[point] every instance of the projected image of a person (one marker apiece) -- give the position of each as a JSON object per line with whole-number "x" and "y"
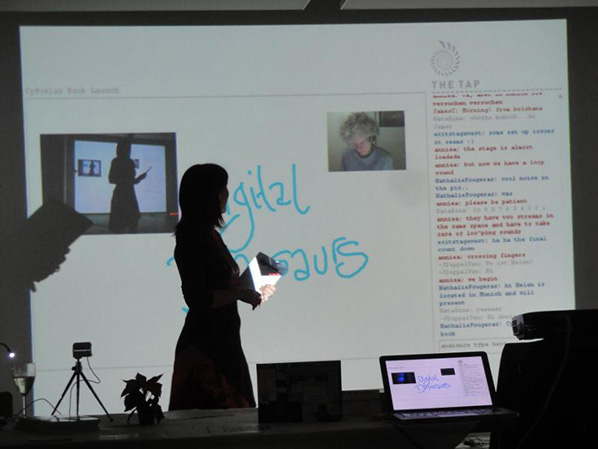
{"x": 210, "y": 369}
{"x": 124, "y": 208}
{"x": 360, "y": 131}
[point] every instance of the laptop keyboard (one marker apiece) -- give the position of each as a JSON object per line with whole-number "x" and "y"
{"x": 432, "y": 414}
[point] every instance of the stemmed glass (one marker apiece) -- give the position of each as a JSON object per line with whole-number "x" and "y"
{"x": 23, "y": 375}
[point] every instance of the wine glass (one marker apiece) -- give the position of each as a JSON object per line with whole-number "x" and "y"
{"x": 23, "y": 375}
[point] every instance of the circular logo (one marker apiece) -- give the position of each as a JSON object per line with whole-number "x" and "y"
{"x": 446, "y": 61}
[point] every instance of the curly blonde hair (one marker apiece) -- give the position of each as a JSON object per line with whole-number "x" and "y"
{"x": 359, "y": 124}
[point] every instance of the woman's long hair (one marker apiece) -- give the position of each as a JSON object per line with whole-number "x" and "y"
{"x": 199, "y": 197}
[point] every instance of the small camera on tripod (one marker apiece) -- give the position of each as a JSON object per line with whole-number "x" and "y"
{"x": 81, "y": 350}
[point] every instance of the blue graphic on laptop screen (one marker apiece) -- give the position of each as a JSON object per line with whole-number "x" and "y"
{"x": 410, "y": 378}
{"x": 403, "y": 378}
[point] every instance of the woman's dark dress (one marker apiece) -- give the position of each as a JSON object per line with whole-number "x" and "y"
{"x": 124, "y": 209}
{"x": 210, "y": 369}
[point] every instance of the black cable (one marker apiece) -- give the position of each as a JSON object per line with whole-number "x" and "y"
{"x": 71, "y": 397}
{"x": 97, "y": 381}
{"x": 31, "y": 403}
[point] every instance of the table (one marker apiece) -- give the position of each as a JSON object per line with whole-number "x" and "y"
{"x": 235, "y": 428}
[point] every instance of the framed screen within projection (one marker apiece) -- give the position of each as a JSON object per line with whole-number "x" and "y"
{"x": 115, "y": 180}
{"x": 452, "y": 215}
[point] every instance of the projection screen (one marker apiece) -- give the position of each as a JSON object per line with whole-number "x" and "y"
{"x": 471, "y": 224}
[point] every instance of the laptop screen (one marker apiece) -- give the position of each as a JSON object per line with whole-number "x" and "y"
{"x": 438, "y": 381}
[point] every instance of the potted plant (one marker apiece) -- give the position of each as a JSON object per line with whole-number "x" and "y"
{"x": 142, "y": 395}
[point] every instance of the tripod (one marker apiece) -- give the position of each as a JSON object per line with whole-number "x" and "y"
{"x": 77, "y": 376}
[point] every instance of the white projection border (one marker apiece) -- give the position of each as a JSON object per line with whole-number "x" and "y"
{"x": 368, "y": 252}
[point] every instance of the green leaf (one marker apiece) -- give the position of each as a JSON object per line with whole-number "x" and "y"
{"x": 131, "y": 402}
{"x": 131, "y": 386}
{"x": 155, "y": 389}
{"x": 141, "y": 379}
{"x": 155, "y": 379}
{"x": 140, "y": 393}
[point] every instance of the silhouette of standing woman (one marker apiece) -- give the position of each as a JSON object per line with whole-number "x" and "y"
{"x": 124, "y": 209}
{"x": 210, "y": 369}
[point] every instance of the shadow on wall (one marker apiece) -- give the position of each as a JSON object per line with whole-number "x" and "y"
{"x": 35, "y": 249}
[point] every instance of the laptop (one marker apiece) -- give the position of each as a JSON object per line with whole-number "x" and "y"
{"x": 299, "y": 391}
{"x": 445, "y": 387}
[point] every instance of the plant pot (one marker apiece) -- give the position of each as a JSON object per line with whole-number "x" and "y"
{"x": 146, "y": 418}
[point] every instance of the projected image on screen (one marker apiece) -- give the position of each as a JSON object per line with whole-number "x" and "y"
{"x": 89, "y": 167}
{"x": 434, "y": 253}
{"x": 366, "y": 141}
{"x": 123, "y": 183}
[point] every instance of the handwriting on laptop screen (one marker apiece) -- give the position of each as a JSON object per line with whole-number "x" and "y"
{"x": 438, "y": 383}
